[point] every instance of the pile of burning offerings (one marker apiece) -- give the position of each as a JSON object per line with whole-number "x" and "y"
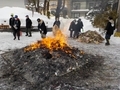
{"x": 90, "y": 37}
{"x": 49, "y": 63}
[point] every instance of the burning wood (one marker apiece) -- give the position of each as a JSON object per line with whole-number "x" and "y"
{"x": 90, "y": 37}
{"x": 56, "y": 30}
{"x": 57, "y": 42}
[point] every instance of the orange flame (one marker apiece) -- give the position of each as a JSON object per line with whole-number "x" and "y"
{"x": 59, "y": 41}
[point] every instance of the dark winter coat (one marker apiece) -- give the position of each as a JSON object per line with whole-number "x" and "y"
{"x": 11, "y": 21}
{"x": 80, "y": 23}
{"x": 17, "y": 24}
{"x": 28, "y": 23}
{"x": 57, "y": 23}
{"x": 77, "y": 27}
{"x": 72, "y": 26}
{"x": 110, "y": 27}
{"x": 41, "y": 25}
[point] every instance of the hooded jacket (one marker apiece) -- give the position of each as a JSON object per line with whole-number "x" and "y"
{"x": 41, "y": 25}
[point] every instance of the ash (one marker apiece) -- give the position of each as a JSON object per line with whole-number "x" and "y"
{"x": 42, "y": 69}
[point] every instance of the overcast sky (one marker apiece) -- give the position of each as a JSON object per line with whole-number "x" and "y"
{"x": 12, "y": 3}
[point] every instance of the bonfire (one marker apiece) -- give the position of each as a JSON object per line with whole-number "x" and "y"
{"x": 49, "y": 63}
{"x": 58, "y": 42}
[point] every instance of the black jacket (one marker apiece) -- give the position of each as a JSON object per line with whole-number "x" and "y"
{"x": 72, "y": 26}
{"x": 11, "y": 21}
{"x": 110, "y": 27}
{"x": 17, "y": 24}
{"x": 80, "y": 23}
{"x": 41, "y": 25}
{"x": 28, "y": 23}
{"x": 57, "y": 23}
{"x": 77, "y": 27}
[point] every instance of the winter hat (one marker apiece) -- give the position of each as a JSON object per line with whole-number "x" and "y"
{"x": 38, "y": 19}
{"x": 16, "y": 16}
{"x": 110, "y": 18}
{"x": 26, "y": 16}
{"x": 79, "y": 18}
{"x": 11, "y": 14}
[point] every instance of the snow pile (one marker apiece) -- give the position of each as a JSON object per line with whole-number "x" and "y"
{"x": 22, "y": 12}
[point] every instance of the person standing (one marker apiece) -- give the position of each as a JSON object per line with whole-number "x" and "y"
{"x": 110, "y": 27}
{"x": 80, "y": 23}
{"x": 28, "y": 26}
{"x": 71, "y": 28}
{"x": 17, "y": 24}
{"x": 77, "y": 28}
{"x": 11, "y": 22}
{"x": 42, "y": 28}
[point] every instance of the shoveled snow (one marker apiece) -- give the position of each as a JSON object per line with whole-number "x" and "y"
{"x": 5, "y": 13}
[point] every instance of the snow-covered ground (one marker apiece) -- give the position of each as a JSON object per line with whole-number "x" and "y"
{"x": 111, "y": 53}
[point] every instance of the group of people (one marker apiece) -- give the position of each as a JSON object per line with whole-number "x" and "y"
{"x": 15, "y": 24}
{"x": 75, "y": 27}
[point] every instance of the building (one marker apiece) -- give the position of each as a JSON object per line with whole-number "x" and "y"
{"x": 12, "y": 3}
{"x": 75, "y": 8}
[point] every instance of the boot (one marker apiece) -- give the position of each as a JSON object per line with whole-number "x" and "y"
{"x": 26, "y": 34}
{"x": 30, "y": 36}
{"x": 14, "y": 38}
{"x": 18, "y": 38}
{"x": 107, "y": 42}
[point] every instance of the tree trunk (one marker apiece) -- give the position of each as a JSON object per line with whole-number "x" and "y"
{"x": 48, "y": 12}
{"x": 59, "y": 8}
{"x": 44, "y": 8}
{"x": 118, "y": 26}
{"x": 57, "y": 15}
{"x": 38, "y": 5}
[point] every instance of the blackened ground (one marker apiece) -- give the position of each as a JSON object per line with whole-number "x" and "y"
{"x": 42, "y": 69}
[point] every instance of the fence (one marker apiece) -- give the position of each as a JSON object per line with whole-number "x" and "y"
{"x": 4, "y": 26}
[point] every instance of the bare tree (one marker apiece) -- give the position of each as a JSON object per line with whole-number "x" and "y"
{"x": 37, "y": 6}
{"x": 60, "y": 7}
{"x": 44, "y": 8}
{"x": 48, "y": 12}
{"x": 35, "y": 3}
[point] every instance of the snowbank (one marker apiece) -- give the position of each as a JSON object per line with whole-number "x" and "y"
{"x": 22, "y": 12}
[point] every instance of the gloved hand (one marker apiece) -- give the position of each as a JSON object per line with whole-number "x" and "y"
{"x": 15, "y": 27}
{"x": 41, "y": 31}
{"x": 82, "y": 30}
{"x": 71, "y": 29}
